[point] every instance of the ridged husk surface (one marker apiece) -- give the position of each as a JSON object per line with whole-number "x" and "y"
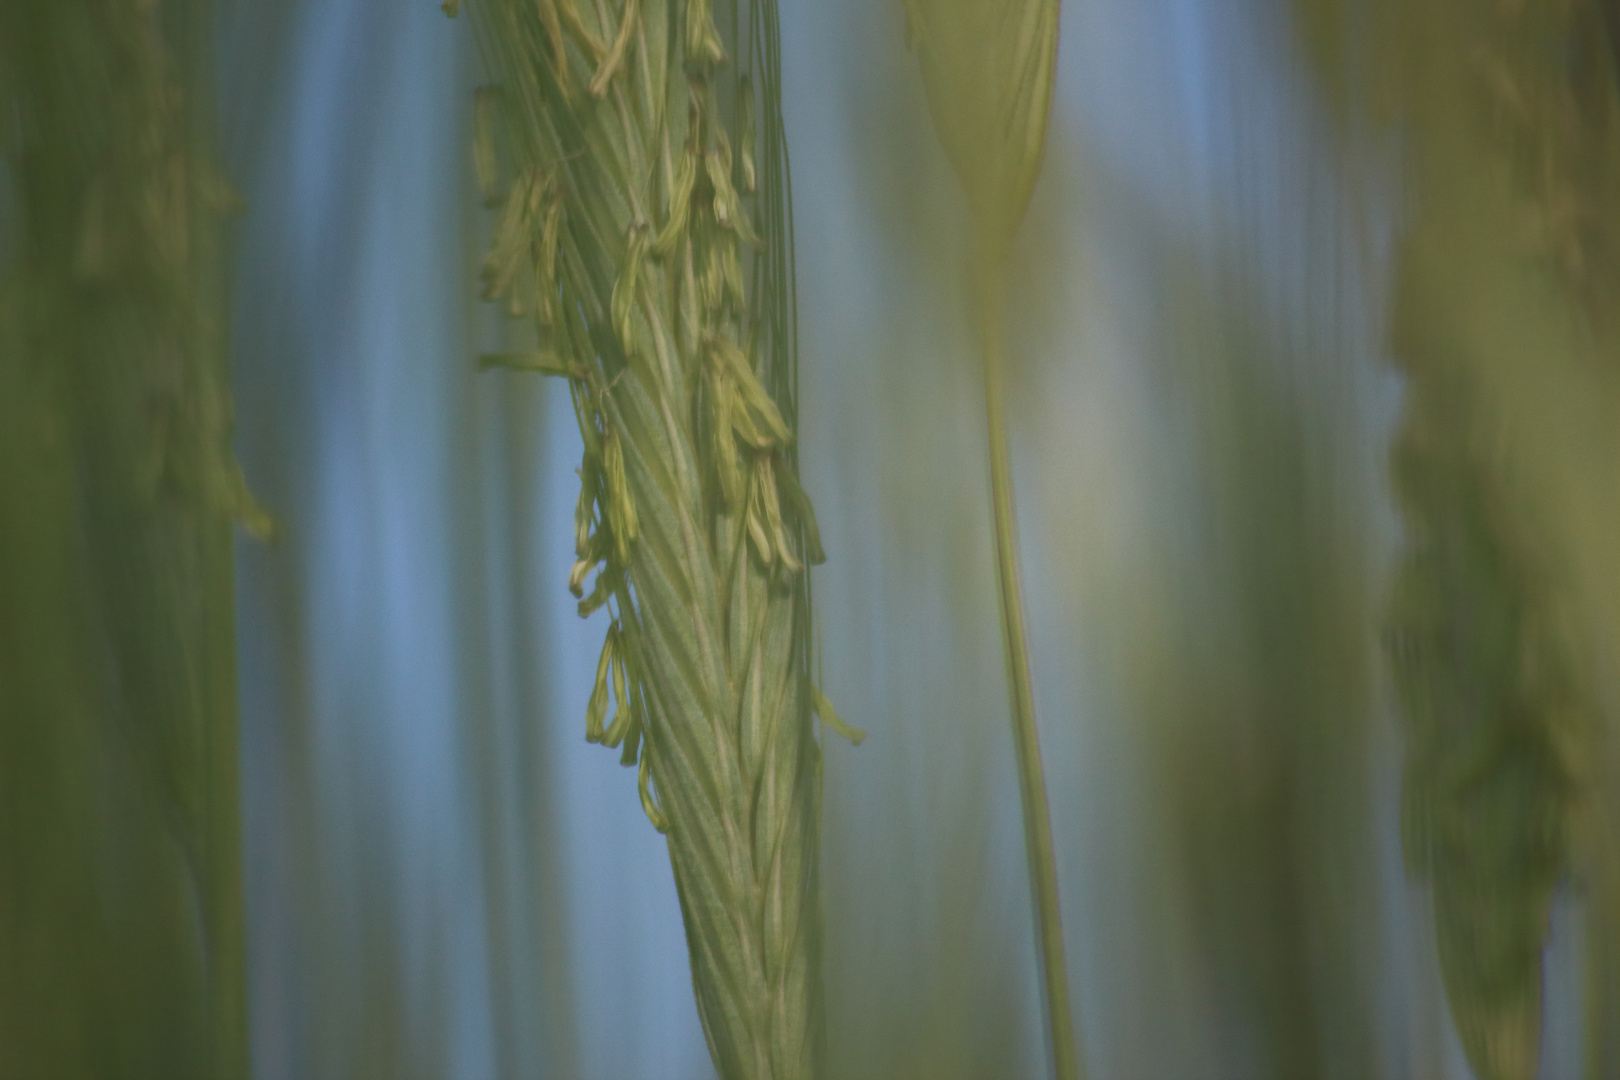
{"x": 633, "y": 152}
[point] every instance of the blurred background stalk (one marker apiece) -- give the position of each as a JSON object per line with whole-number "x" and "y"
{"x": 121, "y": 906}
{"x": 1503, "y": 624}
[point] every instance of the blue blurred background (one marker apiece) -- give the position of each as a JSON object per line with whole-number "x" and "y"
{"x": 445, "y": 880}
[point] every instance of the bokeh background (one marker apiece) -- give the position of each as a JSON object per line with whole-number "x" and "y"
{"x": 443, "y": 880}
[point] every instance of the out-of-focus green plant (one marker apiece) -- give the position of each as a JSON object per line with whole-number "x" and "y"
{"x": 988, "y": 67}
{"x": 644, "y": 226}
{"x": 121, "y": 933}
{"x": 1505, "y": 323}
{"x": 1495, "y": 720}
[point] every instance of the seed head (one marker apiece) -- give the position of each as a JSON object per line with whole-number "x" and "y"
{"x": 988, "y": 67}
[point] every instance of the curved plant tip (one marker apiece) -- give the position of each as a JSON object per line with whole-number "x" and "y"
{"x": 988, "y": 67}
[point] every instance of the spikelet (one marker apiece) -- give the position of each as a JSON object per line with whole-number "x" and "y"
{"x": 661, "y": 296}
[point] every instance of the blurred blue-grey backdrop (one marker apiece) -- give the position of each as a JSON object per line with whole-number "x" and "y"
{"x": 446, "y": 881}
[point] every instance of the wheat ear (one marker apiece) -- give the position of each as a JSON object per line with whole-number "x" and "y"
{"x": 645, "y": 229}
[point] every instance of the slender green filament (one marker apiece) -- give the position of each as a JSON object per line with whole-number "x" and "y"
{"x": 1031, "y": 777}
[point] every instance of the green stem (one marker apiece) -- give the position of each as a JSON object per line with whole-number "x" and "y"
{"x": 1031, "y": 776}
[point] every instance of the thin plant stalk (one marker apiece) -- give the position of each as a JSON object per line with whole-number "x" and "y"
{"x": 988, "y": 68}
{"x": 1037, "y": 815}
